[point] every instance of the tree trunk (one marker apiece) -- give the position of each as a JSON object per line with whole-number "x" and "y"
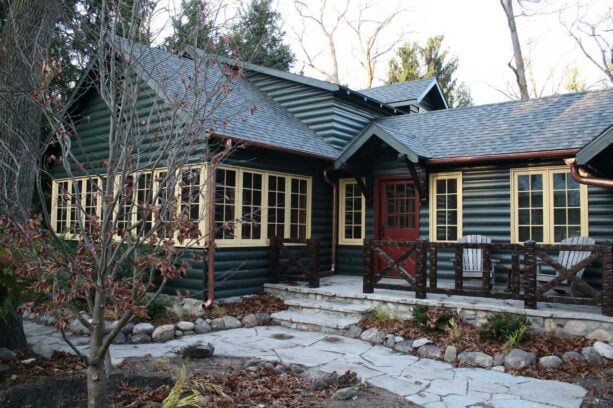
{"x": 11, "y": 326}
{"x": 24, "y": 42}
{"x": 97, "y": 373}
{"x": 519, "y": 69}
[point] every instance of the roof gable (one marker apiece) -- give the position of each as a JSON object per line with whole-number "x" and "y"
{"x": 410, "y": 92}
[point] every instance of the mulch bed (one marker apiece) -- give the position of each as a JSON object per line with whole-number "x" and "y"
{"x": 539, "y": 344}
{"x": 60, "y": 365}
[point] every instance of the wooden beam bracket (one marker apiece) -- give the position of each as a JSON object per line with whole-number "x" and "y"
{"x": 419, "y": 178}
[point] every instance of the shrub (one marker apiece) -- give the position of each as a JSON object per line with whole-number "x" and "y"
{"x": 157, "y": 309}
{"x": 431, "y": 319}
{"x": 381, "y": 315}
{"x": 506, "y": 327}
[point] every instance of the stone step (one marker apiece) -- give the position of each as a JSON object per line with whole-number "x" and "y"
{"x": 320, "y": 322}
{"x": 312, "y": 306}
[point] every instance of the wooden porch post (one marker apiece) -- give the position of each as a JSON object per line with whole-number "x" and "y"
{"x": 420, "y": 269}
{"x": 607, "y": 279}
{"x": 313, "y": 244}
{"x": 369, "y": 267}
{"x": 530, "y": 295}
{"x": 274, "y": 259}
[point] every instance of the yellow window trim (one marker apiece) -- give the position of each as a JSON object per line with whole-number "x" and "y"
{"x": 80, "y": 191}
{"x": 237, "y": 241}
{"x": 460, "y": 192}
{"x": 548, "y": 208}
{"x": 342, "y": 239}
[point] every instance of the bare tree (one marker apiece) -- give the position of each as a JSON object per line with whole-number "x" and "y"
{"x": 134, "y": 210}
{"x": 518, "y": 69}
{"x": 328, "y": 23}
{"x": 368, "y": 32}
{"x": 593, "y": 35}
{"x": 24, "y": 74}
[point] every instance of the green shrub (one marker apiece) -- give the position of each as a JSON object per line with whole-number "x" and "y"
{"x": 157, "y": 309}
{"x": 381, "y": 315}
{"x": 506, "y": 327}
{"x": 431, "y": 319}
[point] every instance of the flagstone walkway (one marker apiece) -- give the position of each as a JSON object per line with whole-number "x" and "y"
{"x": 426, "y": 382}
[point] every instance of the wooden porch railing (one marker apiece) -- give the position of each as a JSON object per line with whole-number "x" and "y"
{"x": 522, "y": 283}
{"x": 294, "y": 262}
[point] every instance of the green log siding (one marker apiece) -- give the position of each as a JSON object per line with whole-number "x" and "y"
{"x": 335, "y": 120}
{"x": 487, "y": 211}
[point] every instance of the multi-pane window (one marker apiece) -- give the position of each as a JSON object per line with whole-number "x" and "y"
{"x": 352, "y": 213}
{"x": 298, "y": 221}
{"x": 251, "y": 205}
{"x": 446, "y": 206}
{"x": 548, "y": 205}
{"x": 225, "y": 202}
{"x": 276, "y": 205}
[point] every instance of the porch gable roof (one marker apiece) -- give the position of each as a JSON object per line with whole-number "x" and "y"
{"x": 598, "y": 153}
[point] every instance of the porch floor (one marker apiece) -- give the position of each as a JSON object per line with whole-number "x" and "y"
{"x": 350, "y": 287}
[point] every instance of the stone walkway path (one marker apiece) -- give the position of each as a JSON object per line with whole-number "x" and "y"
{"x": 423, "y": 381}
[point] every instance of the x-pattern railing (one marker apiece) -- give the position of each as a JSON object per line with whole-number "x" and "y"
{"x": 301, "y": 255}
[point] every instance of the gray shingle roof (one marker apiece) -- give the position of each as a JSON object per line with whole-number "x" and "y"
{"x": 242, "y": 112}
{"x": 403, "y": 91}
{"x": 551, "y": 123}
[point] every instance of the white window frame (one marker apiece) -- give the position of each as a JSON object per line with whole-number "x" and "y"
{"x": 548, "y": 208}
{"x": 80, "y": 190}
{"x": 460, "y": 203}
{"x": 342, "y": 238}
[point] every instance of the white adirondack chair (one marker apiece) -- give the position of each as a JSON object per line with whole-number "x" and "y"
{"x": 472, "y": 259}
{"x": 567, "y": 259}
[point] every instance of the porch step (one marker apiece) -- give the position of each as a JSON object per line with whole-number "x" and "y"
{"x": 320, "y": 322}
{"x": 312, "y": 306}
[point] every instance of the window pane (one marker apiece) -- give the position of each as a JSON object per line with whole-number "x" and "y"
{"x": 536, "y": 199}
{"x": 524, "y": 217}
{"x": 524, "y": 200}
{"x": 452, "y": 217}
{"x": 441, "y": 233}
{"x": 452, "y": 202}
{"x": 559, "y": 181}
{"x": 441, "y": 186}
{"x": 574, "y": 199}
{"x": 523, "y": 183}
{"x": 452, "y": 186}
{"x": 559, "y": 217}
{"x": 524, "y": 234}
{"x": 536, "y": 182}
{"x": 452, "y": 233}
{"x": 574, "y": 216}
{"x": 559, "y": 234}
{"x": 559, "y": 199}
{"x": 537, "y": 234}
{"x": 537, "y": 217}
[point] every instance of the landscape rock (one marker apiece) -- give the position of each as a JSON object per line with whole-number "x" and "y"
{"x": 476, "y": 359}
{"x": 346, "y": 393}
{"x": 405, "y": 346}
{"x": 591, "y": 356}
{"x": 398, "y": 339}
{"x": 498, "y": 359}
{"x": 430, "y": 351}
{"x": 43, "y": 350}
{"x": 78, "y": 328}
{"x": 48, "y": 320}
{"x": 198, "y": 350}
{"x": 263, "y": 318}
{"x": 120, "y": 338}
{"x": 354, "y": 331}
{"x": 231, "y": 322}
{"x": 451, "y": 354}
{"x": 317, "y": 384}
{"x": 250, "y": 320}
{"x": 185, "y": 326}
{"x": 4, "y": 368}
{"x": 178, "y": 333}
{"x": 202, "y": 327}
{"x": 7, "y": 355}
{"x": 218, "y": 324}
{"x": 518, "y": 359}
{"x": 604, "y": 349}
{"x": 500, "y": 369}
{"x": 163, "y": 333}
{"x": 373, "y": 335}
{"x": 127, "y": 329}
{"x": 189, "y": 333}
{"x": 146, "y": 328}
{"x": 250, "y": 363}
{"x": 572, "y": 356}
{"x": 279, "y": 369}
{"x": 140, "y": 338}
{"x": 389, "y": 341}
{"x": 550, "y": 362}
{"x": 421, "y": 342}
{"x": 599, "y": 335}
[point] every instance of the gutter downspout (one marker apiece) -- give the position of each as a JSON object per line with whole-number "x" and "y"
{"x": 588, "y": 180}
{"x": 211, "y": 220}
{"x": 334, "y": 218}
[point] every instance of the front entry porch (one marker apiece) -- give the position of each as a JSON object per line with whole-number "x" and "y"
{"x": 569, "y": 319}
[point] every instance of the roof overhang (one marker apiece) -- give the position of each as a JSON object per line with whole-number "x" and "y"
{"x": 373, "y": 130}
{"x": 598, "y": 154}
{"x": 435, "y": 88}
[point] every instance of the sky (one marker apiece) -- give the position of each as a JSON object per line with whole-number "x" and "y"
{"x": 475, "y": 31}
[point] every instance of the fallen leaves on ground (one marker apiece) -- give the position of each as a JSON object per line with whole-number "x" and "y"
{"x": 60, "y": 365}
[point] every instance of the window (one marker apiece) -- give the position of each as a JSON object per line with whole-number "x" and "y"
{"x": 547, "y": 205}
{"x": 445, "y": 206}
{"x": 352, "y": 217}
{"x": 268, "y": 204}
{"x": 68, "y": 197}
{"x": 192, "y": 204}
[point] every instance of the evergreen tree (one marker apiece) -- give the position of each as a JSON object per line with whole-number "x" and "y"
{"x": 429, "y": 61}
{"x": 196, "y": 26}
{"x": 257, "y": 37}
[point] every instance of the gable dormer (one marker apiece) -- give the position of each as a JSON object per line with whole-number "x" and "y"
{"x": 421, "y": 95}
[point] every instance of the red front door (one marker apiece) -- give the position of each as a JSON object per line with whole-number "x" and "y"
{"x": 397, "y": 217}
